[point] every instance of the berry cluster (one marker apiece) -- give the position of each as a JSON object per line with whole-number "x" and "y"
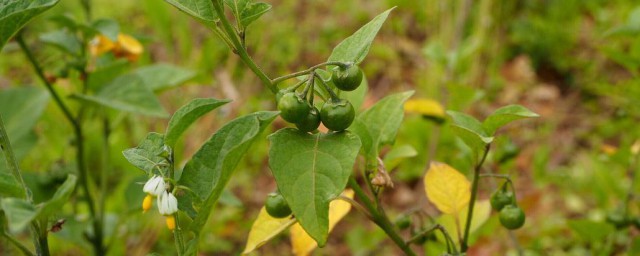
{"x": 336, "y": 114}
{"x": 504, "y": 201}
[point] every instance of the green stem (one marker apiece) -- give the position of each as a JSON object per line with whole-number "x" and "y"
{"x": 224, "y": 38}
{"x": 381, "y": 220}
{"x": 431, "y": 229}
{"x": 177, "y": 236}
{"x": 79, "y": 140}
{"x": 277, "y": 80}
{"x": 334, "y": 96}
{"x": 240, "y": 50}
{"x": 472, "y": 200}
{"x": 356, "y": 205}
{"x": 634, "y": 179}
{"x": 17, "y": 243}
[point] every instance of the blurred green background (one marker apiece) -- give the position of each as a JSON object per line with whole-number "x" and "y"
{"x": 575, "y": 62}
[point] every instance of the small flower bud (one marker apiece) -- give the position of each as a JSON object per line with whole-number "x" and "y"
{"x": 147, "y": 203}
{"x": 171, "y": 222}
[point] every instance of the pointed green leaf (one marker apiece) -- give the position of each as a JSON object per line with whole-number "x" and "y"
{"x": 471, "y": 131}
{"x": 59, "y": 198}
{"x": 19, "y": 213}
{"x": 505, "y": 115}
{"x": 14, "y": 14}
{"x": 188, "y": 114}
{"x": 159, "y": 77}
{"x": 63, "y": 40}
{"x": 208, "y": 172}
{"x": 237, "y": 6}
{"x": 311, "y": 170}
{"x": 355, "y": 48}
{"x": 148, "y": 155}
{"x": 128, "y": 93}
{"x": 201, "y": 10}
{"x": 380, "y": 123}
{"x": 252, "y": 12}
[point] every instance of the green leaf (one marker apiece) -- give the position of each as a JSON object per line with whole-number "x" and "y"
{"x": 9, "y": 186}
{"x": 201, "y": 10}
{"x": 20, "y": 109}
{"x": 471, "y": 131}
{"x": 186, "y": 115}
{"x": 591, "y": 231}
{"x": 147, "y": 156}
{"x": 14, "y": 14}
{"x": 237, "y": 6}
{"x": 162, "y": 76}
{"x": 64, "y": 40}
{"x": 105, "y": 74}
{"x": 252, "y": 12}
{"x": 208, "y": 172}
{"x": 312, "y": 170}
{"x": 380, "y": 123}
{"x": 505, "y": 115}
{"x": 59, "y": 198}
{"x": 398, "y": 154}
{"x": 19, "y": 213}
{"x": 108, "y": 28}
{"x": 355, "y": 48}
{"x": 128, "y": 93}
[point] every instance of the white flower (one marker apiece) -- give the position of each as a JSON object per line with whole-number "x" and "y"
{"x": 155, "y": 186}
{"x": 167, "y": 203}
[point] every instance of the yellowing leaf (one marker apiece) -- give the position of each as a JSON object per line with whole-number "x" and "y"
{"x": 425, "y": 107}
{"x": 264, "y": 228}
{"x": 447, "y": 188}
{"x": 481, "y": 213}
{"x": 302, "y": 243}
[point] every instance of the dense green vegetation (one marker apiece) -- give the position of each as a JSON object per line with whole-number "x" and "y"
{"x": 574, "y": 169}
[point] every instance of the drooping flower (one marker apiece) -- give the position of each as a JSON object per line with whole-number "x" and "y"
{"x": 155, "y": 186}
{"x": 167, "y": 203}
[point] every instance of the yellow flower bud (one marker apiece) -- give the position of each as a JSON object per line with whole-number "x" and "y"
{"x": 171, "y": 222}
{"x": 147, "y": 203}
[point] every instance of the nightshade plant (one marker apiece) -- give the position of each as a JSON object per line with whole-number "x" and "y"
{"x": 313, "y": 167}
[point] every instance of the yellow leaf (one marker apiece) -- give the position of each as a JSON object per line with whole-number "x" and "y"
{"x": 447, "y": 188}
{"x": 481, "y": 213}
{"x": 264, "y": 228}
{"x": 302, "y": 243}
{"x": 425, "y": 107}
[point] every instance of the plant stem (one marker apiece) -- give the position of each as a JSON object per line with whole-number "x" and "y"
{"x": 177, "y": 236}
{"x": 17, "y": 243}
{"x": 472, "y": 200}
{"x": 96, "y": 240}
{"x": 355, "y": 204}
{"x": 381, "y": 220}
{"x": 277, "y": 80}
{"x": 240, "y": 50}
{"x": 431, "y": 229}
